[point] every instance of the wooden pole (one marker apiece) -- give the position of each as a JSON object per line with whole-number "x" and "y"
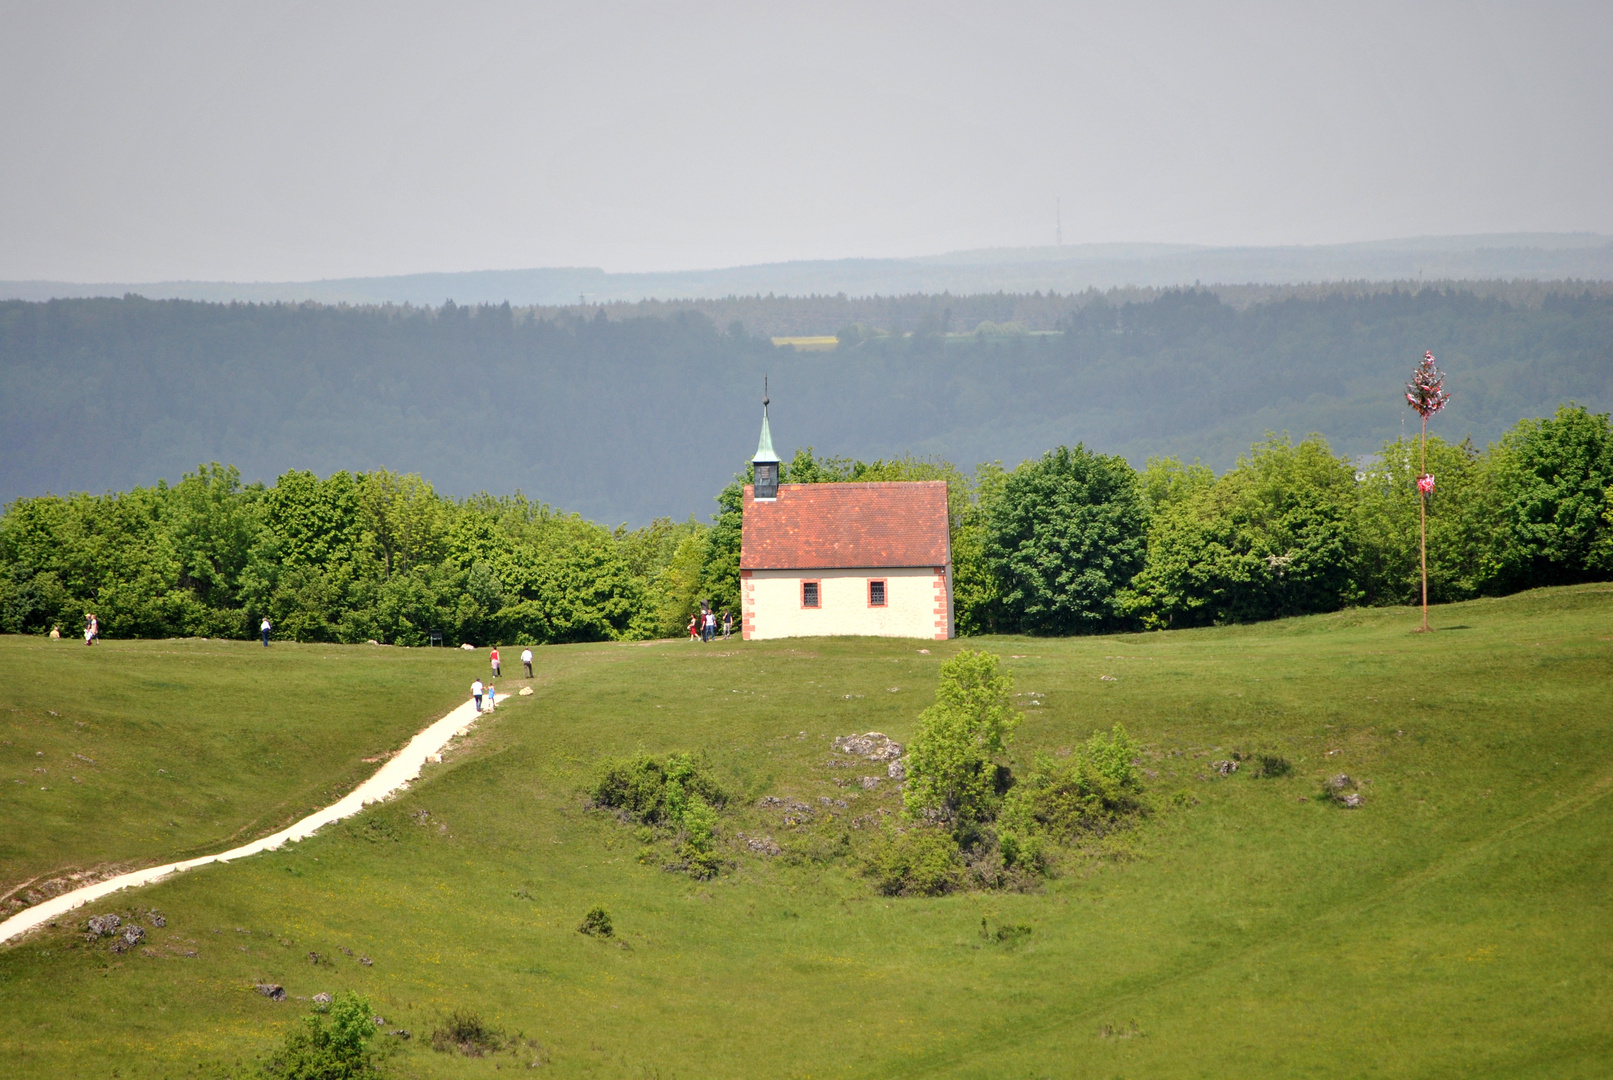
{"x": 1422, "y": 511}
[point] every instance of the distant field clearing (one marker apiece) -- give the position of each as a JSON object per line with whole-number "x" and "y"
{"x": 809, "y": 344}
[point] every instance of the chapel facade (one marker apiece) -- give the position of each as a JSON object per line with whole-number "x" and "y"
{"x": 852, "y": 558}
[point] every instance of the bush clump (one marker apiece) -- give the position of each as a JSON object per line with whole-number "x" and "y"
{"x": 656, "y": 791}
{"x": 467, "y": 1033}
{"x": 332, "y": 1044}
{"x": 1270, "y": 766}
{"x": 918, "y": 861}
{"x": 676, "y": 793}
{"x": 596, "y": 923}
{"x": 1090, "y": 791}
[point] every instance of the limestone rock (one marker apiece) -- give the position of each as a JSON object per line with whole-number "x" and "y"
{"x": 272, "y": 991}
{"x": 321, "y": 999}
{"x": 526, "y": 691}
{"x": 104, "y": 925}
{"x": 133, "y": 935}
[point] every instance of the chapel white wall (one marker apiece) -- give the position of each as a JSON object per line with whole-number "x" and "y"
{"x": 772, "y": 603}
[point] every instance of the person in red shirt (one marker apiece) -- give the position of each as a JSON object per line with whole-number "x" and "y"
{"x": 494, "y": 658}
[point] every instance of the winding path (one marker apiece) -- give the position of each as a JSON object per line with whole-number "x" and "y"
{"x": 393, "y": 776}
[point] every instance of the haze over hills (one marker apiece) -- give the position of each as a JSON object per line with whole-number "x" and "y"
{"x": 1067, "y": 269}
{"x": 630, "y": 418}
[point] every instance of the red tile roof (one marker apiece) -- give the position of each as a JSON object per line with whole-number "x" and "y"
{"x": 842, "y": 526}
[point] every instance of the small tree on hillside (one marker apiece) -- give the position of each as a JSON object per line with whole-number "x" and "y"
{"x": 952, "y": 773}
{"x": 1426, "y": 393}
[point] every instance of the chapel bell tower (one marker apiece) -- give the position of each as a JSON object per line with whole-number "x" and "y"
{"x": 765, "y": 462}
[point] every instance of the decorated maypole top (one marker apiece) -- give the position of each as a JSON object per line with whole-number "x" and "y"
{"x": 1426, "y": 392}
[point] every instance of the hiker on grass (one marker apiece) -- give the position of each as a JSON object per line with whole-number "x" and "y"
{"x": 92, "y": 628}
{"x": 265, "y": 628}
{"x": 711, "y": 624}
{"x": 727, "y": 624}
{"x": 492, "y": 696}
{"x": 494, "y": 658}
{"x": 476, "y": 692}
{"x": 526, "y": 659}
{"x": 694, "y": 621}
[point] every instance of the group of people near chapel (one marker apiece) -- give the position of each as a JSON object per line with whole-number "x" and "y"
{"x": 703, "y": 623}
{"x": 478, "y": 690}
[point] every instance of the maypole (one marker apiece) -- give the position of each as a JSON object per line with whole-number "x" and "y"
{"x": 1425, "y": 393}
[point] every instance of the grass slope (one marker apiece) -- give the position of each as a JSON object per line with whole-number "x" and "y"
{"x": 1456, "y": 925}
{"x": 133, "y": 753}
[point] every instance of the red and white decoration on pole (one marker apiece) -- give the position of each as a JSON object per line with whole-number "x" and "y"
{"x": 1427, "y": 394}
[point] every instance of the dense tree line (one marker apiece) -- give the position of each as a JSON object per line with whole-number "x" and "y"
{"x": 627, "y": 419}
{"x": 1070, "y": 542}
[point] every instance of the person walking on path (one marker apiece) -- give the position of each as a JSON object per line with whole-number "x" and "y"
{"x": 494, "y": 658}
{"x": 711, "y": 624}
{"x": 727, "y": 624}
{"x": 476, "y": 692}
{"x": 694, "y": 621}
{"x": 492, "y": 696}
{"x": 526, "y": 660}
{"x": 265, "y": 628}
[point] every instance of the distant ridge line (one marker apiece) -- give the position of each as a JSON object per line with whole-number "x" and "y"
{"x": 1586, "y": 257}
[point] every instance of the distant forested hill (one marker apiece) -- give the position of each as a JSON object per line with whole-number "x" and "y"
{"x": 626, "y": 419}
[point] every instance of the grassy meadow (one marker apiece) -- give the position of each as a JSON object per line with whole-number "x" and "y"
{"x": 134, "y": 753}
{"x": 1458, "y": 924}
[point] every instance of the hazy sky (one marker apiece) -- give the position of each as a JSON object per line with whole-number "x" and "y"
{"x": 270, "y": 141}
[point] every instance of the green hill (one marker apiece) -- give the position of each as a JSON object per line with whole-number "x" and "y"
{"x": 1455, "y": 924}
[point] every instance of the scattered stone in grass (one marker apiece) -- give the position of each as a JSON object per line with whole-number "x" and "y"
{"x": 1107, "y": 678}
{"x": 870, "y": 783}
{"x": 133, "y": 935}
{"x": 321, "y": 998}
{"x": 596, "y": 923}
{"x": 346, "y": 950}
{"x": 1225, "y": 768}
{"x": 764, "y": 844}
{"x": 366, "y": 961}
{"x": 1341, "y": 782}
{"x": 318, "y": 959}
{"x": 873, "y": 745}
{"x": 896, "y": 771}
{"x": 403, "y": 1033}
{"x": 380, "y": 1021}
{"x": 1112, "y": 1031}
{"x": 272, "y": 991}
{"x": 526, "y": 691}
{"x": 769, "y": 800}
{"x": 1351, "y": 800}
{"x": 104, "y": 925}
{"x": 924, "y": 652}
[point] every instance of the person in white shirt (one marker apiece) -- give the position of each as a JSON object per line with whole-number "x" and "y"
{"x": 476, "y": 692}
{"x": 265, "y": 628}
{"x": 526, "y": 658}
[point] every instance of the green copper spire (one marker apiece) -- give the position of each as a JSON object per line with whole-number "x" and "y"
{"x": 764, "y": 449}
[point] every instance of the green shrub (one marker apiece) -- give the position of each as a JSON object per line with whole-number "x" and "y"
{"x": 952, "y": 774}
{"x": 1271, "y": 765}
{"x": 1093, "y": 788}
{"x": 332, "y": 1044}
{"x": 467, "y": 1033}
{"x": 596, "y": 923}
{"x": 655, "y": 791}
{"x": 919, "y": 861}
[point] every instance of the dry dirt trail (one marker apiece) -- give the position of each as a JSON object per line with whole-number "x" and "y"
{"x": 393, "y": 776}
